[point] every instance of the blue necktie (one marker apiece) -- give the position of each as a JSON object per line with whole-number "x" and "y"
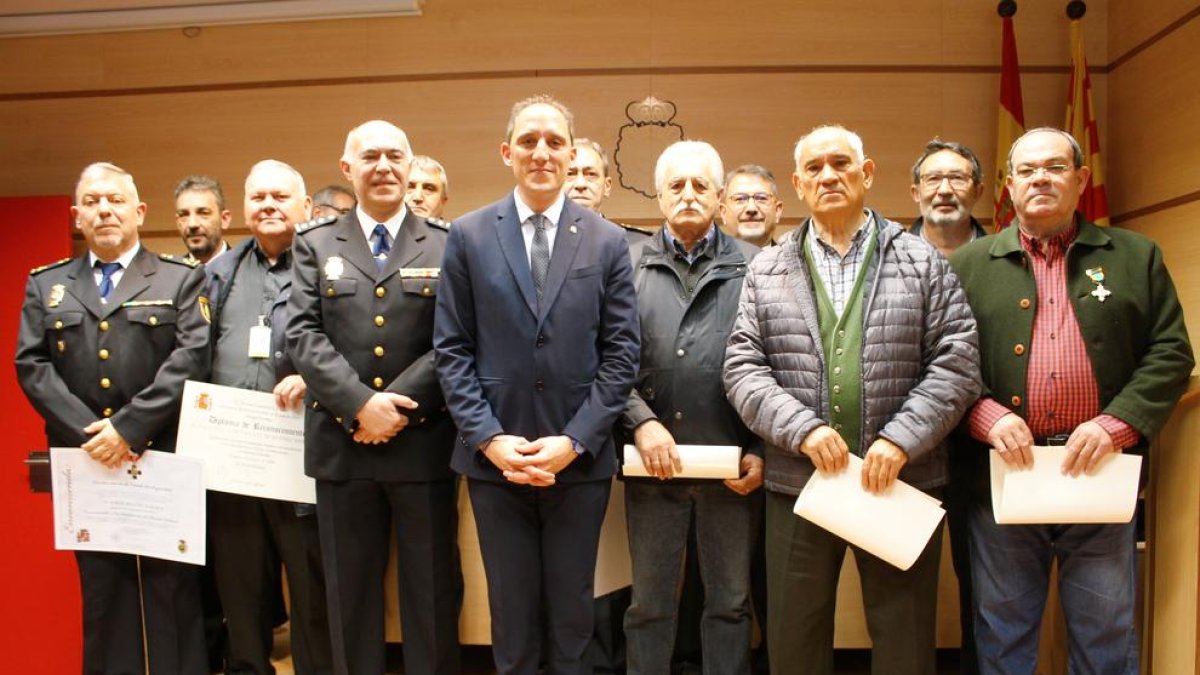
{"x": 382, "y": 247}
{"x": 539, "y": 254}
{"x": 107, "y": 270}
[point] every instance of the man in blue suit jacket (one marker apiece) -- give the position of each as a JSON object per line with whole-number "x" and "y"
{"x": 536, "y": 346}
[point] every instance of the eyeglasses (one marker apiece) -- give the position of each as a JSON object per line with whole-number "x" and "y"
{"x": 760, "y": 198}
{"x": 932, "y": 181}
{"x": 331, "y": 207}
{"x": 1026, "y": 172}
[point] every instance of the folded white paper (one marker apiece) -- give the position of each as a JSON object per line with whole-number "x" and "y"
{"x": 248, "y": 445}
{"x": 1042, "y": 494}
{"x": 894, "y": 525}
{"x": 154, "y": 507}
{"x": 699, "y": 461}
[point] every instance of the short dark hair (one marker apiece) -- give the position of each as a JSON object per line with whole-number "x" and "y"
{"x": 539, "y": 99}
{"x": 202, "y": 184}
{"x": 757, "y": 170}
{"x": 937, "y": 145}
{"x": 324, "y": 196}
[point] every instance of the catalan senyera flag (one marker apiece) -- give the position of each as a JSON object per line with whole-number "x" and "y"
{"x": 1011, "y": 122}
{"x": 1081, "y": 123}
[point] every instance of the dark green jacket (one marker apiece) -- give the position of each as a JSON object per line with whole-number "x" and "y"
{"x": 1136, "y": 338}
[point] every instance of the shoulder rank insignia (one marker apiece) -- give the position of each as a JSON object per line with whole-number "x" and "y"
{"x": 178, "y": 260}
{"x": 315, "y": 223}
{"x": 438, "y": 223}
{"x": 50, "y": 266}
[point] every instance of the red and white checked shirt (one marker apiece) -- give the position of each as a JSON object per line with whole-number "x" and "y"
{"x": 1061, "y": 390}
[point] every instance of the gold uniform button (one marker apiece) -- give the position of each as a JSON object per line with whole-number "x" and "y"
{"x": 378, "y": 350}
{"x": 1019, "y": 349}
{"x": 108, "y": 412}
{"x": 330, "y": 292}
{"x": 103, "y": 325}
{"x": 425, "y": 290}
{"x": 58, "y": 325}
{"x": 380, "y": 291}
{"x": 153, "y": 321}
{"x": 1016, "y": 401}
{"x": 1025, "y": 303}
{"x": 378, "y": 382}
{"x": 379, "y": 321}
{"x": 338, "y": 420}
{"x": 105, "y": 383}
{"x": 103, "y": 355}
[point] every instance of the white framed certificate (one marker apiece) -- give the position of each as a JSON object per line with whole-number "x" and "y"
{"x": 248, "y": 445}
{"x": 153, "y": 507}
{"x": 894, "y": 525}
{"x": 699, "y": 461}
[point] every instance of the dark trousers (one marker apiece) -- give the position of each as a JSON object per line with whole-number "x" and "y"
{"x": 112, "y": 616}
{"x": 803, "y": 565}
{"x": 958, "y": 508}
{"x": 251, "y": 537}
{"x": 539, "y": 553}
{"x": 357, "y": 521}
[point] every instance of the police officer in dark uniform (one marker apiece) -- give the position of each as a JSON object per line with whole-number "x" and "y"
{"x": 105, "y": 344}
{"x": 377, "y": 437}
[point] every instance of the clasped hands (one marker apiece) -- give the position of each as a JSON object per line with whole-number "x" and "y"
{"x": 380, "y": 419}
{"x": 527, "y": 462}
{"x": 106, "y": 446}
{"x": 830, "y": 454}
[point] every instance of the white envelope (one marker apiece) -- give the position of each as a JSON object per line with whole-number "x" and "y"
{"x": 894, "y": 525}
{"x": 1043, "y": 495}
{"x": 699, "y": 461}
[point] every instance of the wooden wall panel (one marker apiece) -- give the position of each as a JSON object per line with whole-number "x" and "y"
{"x": 162, "y": 137}
{"x": 1133, "y": 22}
{"x": 1155, "y": 107}
{"x": 1175, "y": 231}
{"x": 465, "y": 35}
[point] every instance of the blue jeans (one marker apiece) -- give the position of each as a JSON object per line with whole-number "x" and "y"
{"x": 1010, "y": 568}
{"x": 658, "y": 515}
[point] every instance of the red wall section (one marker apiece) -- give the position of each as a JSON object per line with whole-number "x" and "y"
{"x": 39, "y": 596}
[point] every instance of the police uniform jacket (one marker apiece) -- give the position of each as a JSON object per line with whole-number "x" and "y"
{"x": 79, "y": 360}
{"x": 354, "y": 331}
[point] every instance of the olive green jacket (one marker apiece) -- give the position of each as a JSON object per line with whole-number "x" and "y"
{"x": 1136, "y": 338}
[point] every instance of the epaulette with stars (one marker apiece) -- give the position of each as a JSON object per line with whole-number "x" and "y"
{"x": 438, "y": 223}
{"x": 313, "y": 224}
{"x": 179, "y": 260}
{"x": 43, "y": 268}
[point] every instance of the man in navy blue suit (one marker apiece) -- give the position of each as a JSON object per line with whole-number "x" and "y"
{"x": 536, "y": 346}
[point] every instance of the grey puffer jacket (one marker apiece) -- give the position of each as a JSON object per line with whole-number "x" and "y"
{"x": 920, "y": 363}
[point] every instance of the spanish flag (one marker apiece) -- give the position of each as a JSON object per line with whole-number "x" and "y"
{"x": 1081, "y": 123}
{"x": 1011, "y": 122}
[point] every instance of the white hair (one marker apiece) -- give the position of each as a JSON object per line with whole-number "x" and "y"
{"x": 852, "y": 138}
{"x": 700, "y": 150}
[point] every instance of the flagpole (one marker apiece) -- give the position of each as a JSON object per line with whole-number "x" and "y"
{"x": 1011, "y": 114}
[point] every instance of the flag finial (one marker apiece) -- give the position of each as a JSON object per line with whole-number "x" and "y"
{"x": 1076, "y": 9}
{"x": 1006, "y": 8}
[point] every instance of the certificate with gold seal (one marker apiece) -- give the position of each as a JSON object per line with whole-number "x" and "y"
{"x": 248, "y": 445}
{"x": 152, "y": 507}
